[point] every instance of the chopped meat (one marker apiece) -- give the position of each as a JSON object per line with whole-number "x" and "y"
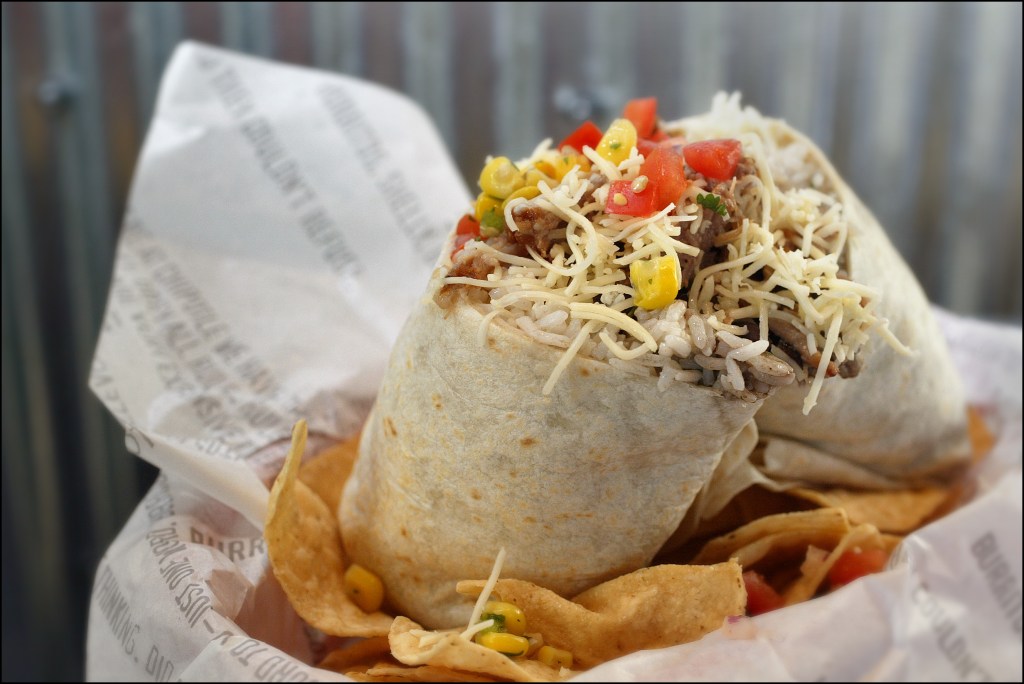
{"x": 505, "y": 243}
{"x": 712, "y": 225}
{"x": 794, "y": 343}
{"x": 849, "y": 369}
{"x": 534, "y": 226}
{"x": 595, "y": 181}
{"x": 751, "y": 329}
{"x": 831, "y": 370}
{"x": 790, "y": 340}
{"x": 746, "y": 167}
{"x": 467, "y": 265}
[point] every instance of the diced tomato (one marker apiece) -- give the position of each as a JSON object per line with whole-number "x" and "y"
{"x": 588, "y": 134}
{"x": 855, "y": 564}
{"x": 666, "y": 178}
{"x": 468, "y": 225}
{"x": 716, "y": 159}
{"x": 761, "y": 597}
{"x": 644, "y": 146}
{"x": 629, "y": 203}
{"x": 658, "y": 135}
{"x": 643, "y": 114}
{"x": 467, "y": 229}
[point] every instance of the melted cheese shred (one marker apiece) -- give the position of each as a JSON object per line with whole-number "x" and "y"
{"x": 782, "y": 261}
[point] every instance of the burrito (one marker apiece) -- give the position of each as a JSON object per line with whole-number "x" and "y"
{"x": 600, "y": 331}
{"x": 900, "y": 417}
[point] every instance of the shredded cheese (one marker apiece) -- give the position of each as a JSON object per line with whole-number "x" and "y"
{"x": 478, "y": 608}
{"x": 475, "y": 629}
{"x": 563, "y": 362}
{"x": 599, "y": 312}
{"x": 830, "y": 343}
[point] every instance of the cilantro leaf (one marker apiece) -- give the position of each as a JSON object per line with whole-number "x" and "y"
{"x": 714, "y": 203}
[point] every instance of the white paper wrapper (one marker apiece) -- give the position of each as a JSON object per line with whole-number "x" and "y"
{"x": 281, "y": 223}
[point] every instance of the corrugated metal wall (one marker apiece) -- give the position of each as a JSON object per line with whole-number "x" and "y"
{"x": 918, "y": 104}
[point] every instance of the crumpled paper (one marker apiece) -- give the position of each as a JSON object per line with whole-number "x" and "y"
{"x": 280, "y": 225}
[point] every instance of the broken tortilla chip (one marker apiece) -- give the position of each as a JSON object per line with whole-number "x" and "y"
{"x": 654, "y": 607}
{"x": 423, "y": 673}
{"x": 362, "y": 652}
{"x": 982, "y": 439}
{"x": 304, "y": 546}
{"x": 360, "y": 675}
{"x": 777, "y": 538}
{"x": 899, "y": 511}
{"x": 413, "y": 645}
{"x": 327, "y": 472}
{"x": 753, "y": 503}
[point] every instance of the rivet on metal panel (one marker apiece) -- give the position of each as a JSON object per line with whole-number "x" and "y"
{"x": 57, "y": 91}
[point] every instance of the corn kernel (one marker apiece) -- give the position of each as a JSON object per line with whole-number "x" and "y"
{"x": 554, "y": 657}
{"x": 500, "y": 178}
{"x": 485, "y": 203}
{"x": 618, "y": 141}
{"x": 529, "y": 192}
{"x": 508, "y": 644}
{"x": 535, "y": 176}
{"x": 488, "y": 212}
{"x": 560, "y": 165}
{"x": 364, "y": 588}
{"x": 547, "y": 168}
{"x": 509, "y": 615}
{"x": 655, "y": 281}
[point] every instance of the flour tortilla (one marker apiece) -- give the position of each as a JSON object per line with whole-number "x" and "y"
{"x": 901, "y": 421}
{"x": 902, "y": 418}
{"x": 462, "y": 455}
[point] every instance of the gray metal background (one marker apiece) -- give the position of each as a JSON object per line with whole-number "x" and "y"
{"x": 919, "y": 105}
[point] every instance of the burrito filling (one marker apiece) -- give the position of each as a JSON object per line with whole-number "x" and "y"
{"x": 706, "y": 251}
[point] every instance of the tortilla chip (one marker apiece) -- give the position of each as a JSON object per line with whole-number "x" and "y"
{"x": 982, "y": 439}
{"x": 653, "y": 607}
{"x": 753, "y": 503}
{"x": 362, "y": 652}
{"x": 424, "y": 673}
{"x": 900, "y": 511}
{"x": 413, "y": 645}
{"x": 816, "y": 568}
{"x": 360, "y": 676}
{"x": 327, "y": 472}
{"x": 777, "y": 538}
{"x": 304, "y": 546}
